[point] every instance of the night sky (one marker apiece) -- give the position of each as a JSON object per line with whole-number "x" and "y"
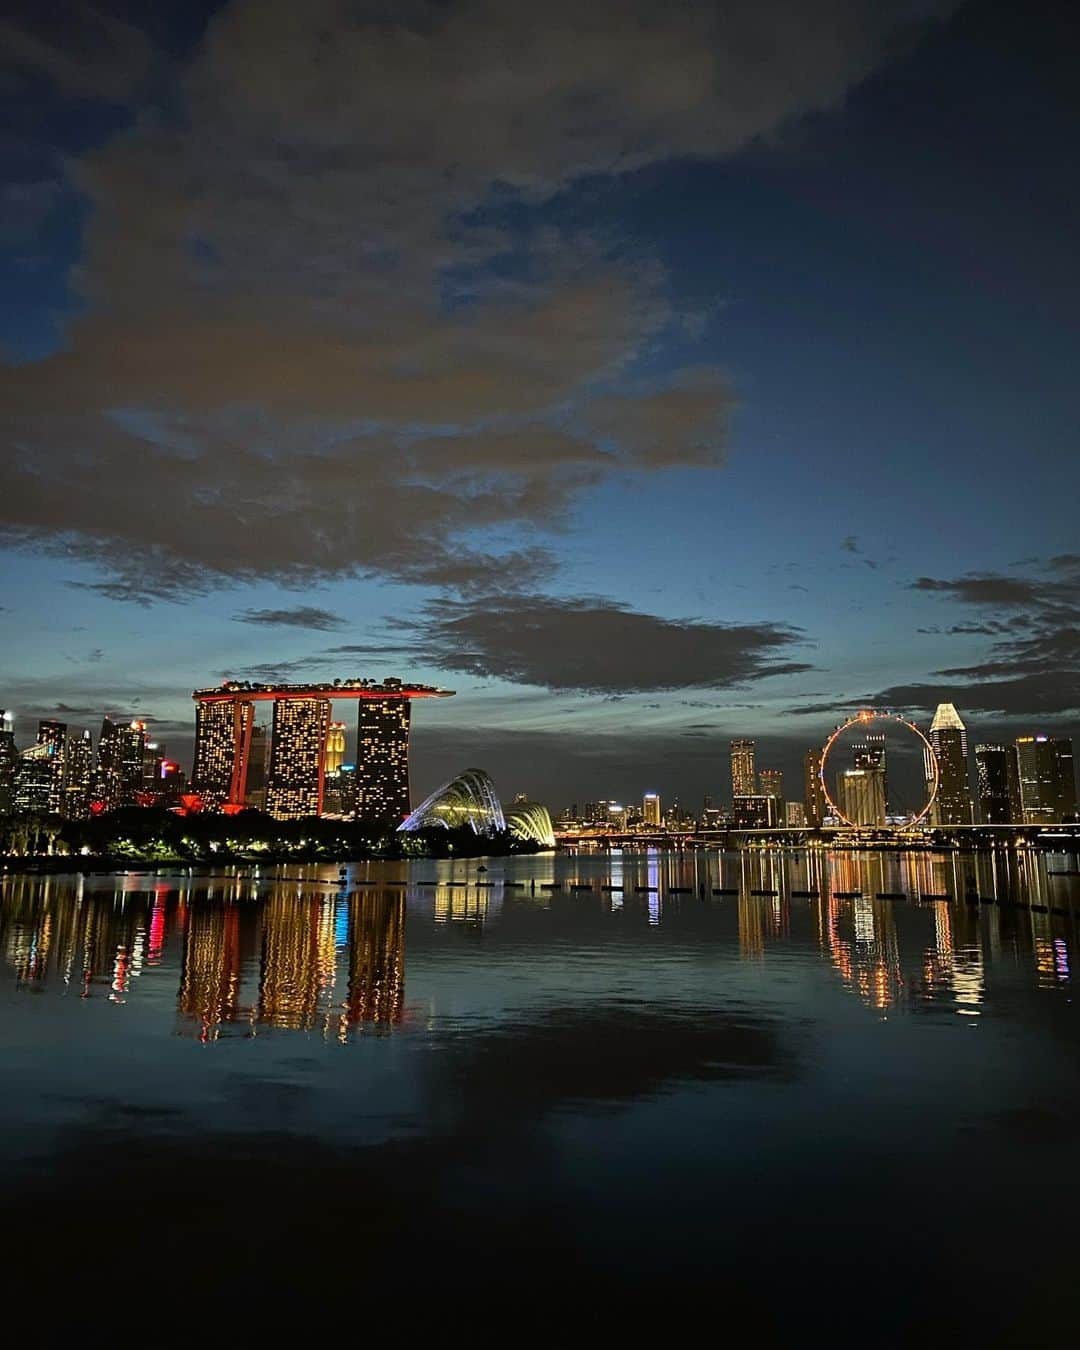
{"x": 650, "y": 374}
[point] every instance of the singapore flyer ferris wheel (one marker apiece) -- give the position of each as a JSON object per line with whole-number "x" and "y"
{"x": 863, "y": 720}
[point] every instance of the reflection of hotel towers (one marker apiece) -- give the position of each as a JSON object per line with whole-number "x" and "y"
{"x": 376, "y": 960}
{"x": 298, "y": 961}
{"x": 210, "y": 982}
{"x": 297, "y": 748}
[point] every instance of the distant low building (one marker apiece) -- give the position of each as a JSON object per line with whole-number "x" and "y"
{"x": 754, "y": 812}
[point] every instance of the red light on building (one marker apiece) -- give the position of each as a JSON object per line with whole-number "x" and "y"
{"x": 191, "y": 803}
{"x": 231, "y": 808}
{"x": 97, "y": 808}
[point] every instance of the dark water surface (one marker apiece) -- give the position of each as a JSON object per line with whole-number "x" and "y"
{"x": 234, "y": 1101}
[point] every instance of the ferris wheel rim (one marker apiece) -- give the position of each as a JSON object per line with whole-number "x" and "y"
{"x": 863, "y": 718}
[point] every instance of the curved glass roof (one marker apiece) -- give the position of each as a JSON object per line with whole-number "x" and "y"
{"x": 469, "y": 799}
{"x": 530, "y": 820}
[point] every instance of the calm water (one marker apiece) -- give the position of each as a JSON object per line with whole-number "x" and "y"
{"x": 232, "y": 1100}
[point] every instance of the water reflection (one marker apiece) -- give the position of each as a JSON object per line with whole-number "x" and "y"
{"x": 900, "y": 932}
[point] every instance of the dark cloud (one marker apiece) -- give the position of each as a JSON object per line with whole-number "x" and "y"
{"x": 302, "y": 616}
{"x": 1032, "y": 670}
{"x": 850, "y": 543}
{"x": 295, "y": 359}
{"x": 595, "y": 645}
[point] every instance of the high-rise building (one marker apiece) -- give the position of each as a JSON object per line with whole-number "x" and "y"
{"x": 335, "y": 747}
{"x": 53, "y": 736}
{"x": 813, "y": 796}
{"x": 771, "y": 784}
{"x": 223, "y": 733}
{"x": 862, "y": 796}
{"x": 948, "y": 736}
{"x": 869, "y": 753}
{"x": 34, "y": 781}
{"x": 173, "y": 784}
{"x": 794, "y": 815}
{"x": 1047, "y": 779}
{"x": 132, "y": 756}
{"x": 258, "y": 768}
{"x": 650, "y": 809}
{"x": 382, "y": 761}
{"x": 78, "y": 777}
{"x": 743, "y": 777}
{"x": 295, "y": 788}
{"x": 118, "y": 779}
{"x": 106, "y": 788}
{"x": 998, "y": 777}
{"x": 9, "y": 763}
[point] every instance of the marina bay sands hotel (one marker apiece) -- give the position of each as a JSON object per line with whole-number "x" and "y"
{"x": 232, "y": 770}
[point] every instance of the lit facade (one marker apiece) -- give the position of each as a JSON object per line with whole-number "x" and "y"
{"x": 298, "y": 744}
{"x": 948, "y": 736}
{"x": 813, "y": 797}
{"x": 9, "y": 763}
{"x": 222, "y": 751}
{"x": 1047, "y": 779}
{"x": 862, "y": 796}
{"x": 743, "y": 776}
{"x": 119, "y": 773}
{"x": 754, "y": 811}
{"x": 335, "y": 747}
{"x": 650, "y": 809}
{"x": 34, "y": 781}
{"x": 78, "y": 777}
{"x": 382, "y": 761}
{"x": 998, "y": 778}
{"x": 53, "y": 736}
{"x": 771, "y": 784}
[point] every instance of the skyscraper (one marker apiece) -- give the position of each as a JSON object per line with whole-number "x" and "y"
{"x": 34, "y": 779}
{"x": 869, "y": 753}
{"x": 78, "y": 777}
{"x": 948, "y": 736}
{"x": 53, "y": 736}
{"x": 813, "y": 796}
{"x": 9, "y": 763}
{"x": 222, "y": 750}
{"x": 772, "y": 785}
{"x": 1047, "y": 779}
{"x": 650, "y": 808}
{"x": 862, "y": 796}
{"x": 106, "y": 788}
{"x": 335, "y": 747}
{"x": 258, "y": 768}
{"x": 118, "y": 778}
{"x": 296, "y": 757}
{"x": 998, "y": 778}
{"x": 382, "y": 761}
{"x": 743, "y": 777}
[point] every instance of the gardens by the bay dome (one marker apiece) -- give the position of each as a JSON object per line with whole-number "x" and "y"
{"x": 470, "y": 800}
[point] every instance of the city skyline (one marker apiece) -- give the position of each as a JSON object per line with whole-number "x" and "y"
{"x": 295, "y": 769}
{"x": 587, "y": 424}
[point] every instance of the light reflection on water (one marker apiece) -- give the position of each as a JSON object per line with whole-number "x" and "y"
{"x": 721, "y": 1066}
{"x": 303, "y": 950}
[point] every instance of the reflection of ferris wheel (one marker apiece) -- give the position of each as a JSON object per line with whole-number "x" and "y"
{"x": 865, "y": 718}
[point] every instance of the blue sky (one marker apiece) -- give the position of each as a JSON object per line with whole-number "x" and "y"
{"x": 701, "y": 317}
